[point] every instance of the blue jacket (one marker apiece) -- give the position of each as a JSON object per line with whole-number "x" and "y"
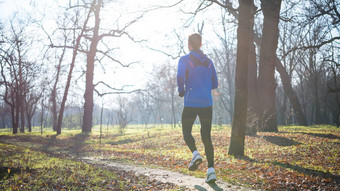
{"x": 196, "y": 76}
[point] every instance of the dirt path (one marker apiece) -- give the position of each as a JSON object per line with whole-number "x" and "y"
{"x": 165, "y": 176}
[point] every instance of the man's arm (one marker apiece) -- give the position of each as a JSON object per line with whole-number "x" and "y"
{"x": 214, "y": 78}
{"x": 181, "y": 76}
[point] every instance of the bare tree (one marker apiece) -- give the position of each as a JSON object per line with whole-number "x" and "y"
{"x": 122, "y": 112}
{"x": 333, "y": 86}
{"x": 282, "y": 71}
{"x": 225, "y": 66}
{"x": 266, "y": 80}
{"x": 18, "y": 74}
{"x": 94, "y": 37}
{"x": 319, "y": 27}
{"x": 4, "y": 114}
{"x": 31, "y": 106}
{"x": 53, "y": 98}
{"x": 241, "y": 75}
{"x": 144, "y": 104}
{"x": 253, "y": 93}
{"x": 69, "y": 77}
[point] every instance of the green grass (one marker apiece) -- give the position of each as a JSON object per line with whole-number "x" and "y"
{"x": 26, "y": 169}
{"x": 294, "y": 158}
{"x": 48, "y": 162}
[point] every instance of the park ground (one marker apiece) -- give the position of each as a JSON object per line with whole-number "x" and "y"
{"x": 295, "y": 158}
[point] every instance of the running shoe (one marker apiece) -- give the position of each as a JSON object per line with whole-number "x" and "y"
{"x": 196, "y": 160}
{"x": 211, "y": 177}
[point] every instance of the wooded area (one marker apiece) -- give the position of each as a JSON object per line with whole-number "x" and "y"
{"x": 290, "y": 76}
{"x": 98, "y": 78}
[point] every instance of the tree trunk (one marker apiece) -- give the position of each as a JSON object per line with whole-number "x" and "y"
{"x": 14, "y": 119}
{"x": 54, "y": 93}
{"x": 266, "y": 79}
{"x": 29, "y": 125}
{"x": 101, "y": 123}
{"x": 336, "y": 113}
{"x": 75, "y": 51}
{"x": 173, "y": 113}
{"x": 284, "y": 109}
{"x": 282, "y": 73}
{"x": 293, "y": 99}
{"x": 29, "y": 114}
{"x": 22, "y": 114}
{"x": 88, "y": 105}
{"x": 14, "y": 109}
{"x": 252, "y": 115}
{"x": 54, "y": 111}
{"x": 287, "y": 86}
{"x": 316, "y": 101}
{"x": 29, "y": 121}
{"x": 241, "y": 89}
{"x": 42, "y": 116}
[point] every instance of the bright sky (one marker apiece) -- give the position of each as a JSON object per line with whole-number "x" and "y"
{"x": 155, "y": 27}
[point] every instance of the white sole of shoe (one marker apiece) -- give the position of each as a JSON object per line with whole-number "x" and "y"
{"x": 211, "y": 178}
{"x": 195, "y": 165}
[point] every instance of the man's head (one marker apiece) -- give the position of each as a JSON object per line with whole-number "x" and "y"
{"x": 194, "y": 41}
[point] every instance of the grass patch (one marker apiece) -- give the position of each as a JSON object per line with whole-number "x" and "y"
{"x": 25, "y": 169}
{"x": 294, "y": 158}
{"x": 31, "y": 170}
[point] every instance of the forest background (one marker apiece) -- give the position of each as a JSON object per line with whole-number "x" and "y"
{"x": 77, "y": 64}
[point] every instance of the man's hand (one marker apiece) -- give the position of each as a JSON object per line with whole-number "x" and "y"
{"x": 181, "y": 94}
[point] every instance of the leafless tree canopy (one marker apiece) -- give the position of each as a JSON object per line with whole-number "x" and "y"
{"x": 56, "y": 68}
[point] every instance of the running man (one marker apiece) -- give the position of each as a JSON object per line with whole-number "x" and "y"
{"x": 196, "y": 77}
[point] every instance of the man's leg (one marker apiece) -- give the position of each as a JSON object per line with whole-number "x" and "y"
{"x": 205, "y": 116}
{"x": 188, "y": 119}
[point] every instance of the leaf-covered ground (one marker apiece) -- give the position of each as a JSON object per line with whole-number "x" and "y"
{"x": 25, "y": 169}
{"x": 295, "y": 158}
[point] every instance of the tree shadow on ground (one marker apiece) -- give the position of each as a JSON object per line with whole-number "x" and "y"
{"x": 246, "y": 158}
{"x": 78, "y": 143}
{"x": 50, "y": 142}
{"x": 129, "y": 140}
{"x": 123, "y": 141}
{"x": 311, "y": 172}
{"x": 281, "y": 141}
{"x": 326, "y": 175}
{"x": 329, "y": 136}
{"x": 73, "y": 145}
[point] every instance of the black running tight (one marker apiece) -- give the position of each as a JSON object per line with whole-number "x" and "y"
{"x": 205, "y": 116}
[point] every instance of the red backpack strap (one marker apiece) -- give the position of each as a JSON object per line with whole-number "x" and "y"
{"x": 191, "y": 63}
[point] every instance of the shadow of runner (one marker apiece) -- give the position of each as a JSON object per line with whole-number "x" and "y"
{"x": 215, "y": 186}
{"x": 200, "y": 188}
{"x": 212, "y": 185}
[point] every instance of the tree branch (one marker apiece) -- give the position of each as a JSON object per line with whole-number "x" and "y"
{"x": 115, "y": 90}
{"x": 317, "y": 46}
{"x": 199, "y": 8}
{"x": 162, "y": 6}
{"x": 117, "y": 61}
{"x": 120, "y": 32}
